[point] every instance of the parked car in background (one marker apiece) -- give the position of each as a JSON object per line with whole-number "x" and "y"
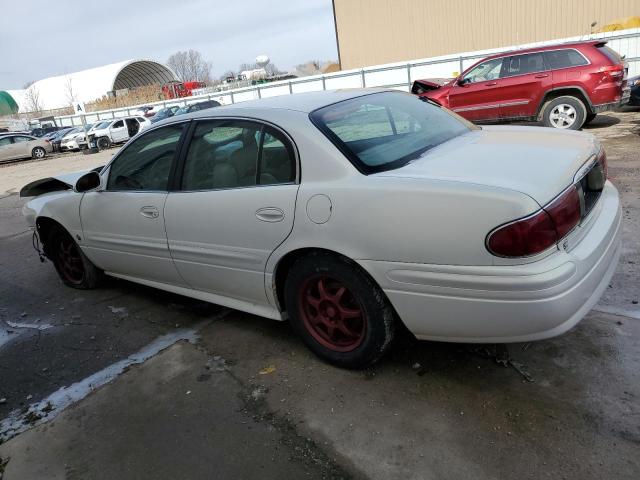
{"x": 42, "y": 131}
{"x": 164, "y": 113}
{"x": 81, "y": 137}
{"x": 347, "y": 212}
{"x": 634, "y": 85}
{"x": 118, "y": 130}
{"x": 194, "y": 107}
{"x": 69, "y": 141}
{"x": 56, "y": 139}
{"x": 564, "y": 86}
{"x": 141, "y": 111}
{"x": 23, "y": 146}
{"x": 18, "y": 132}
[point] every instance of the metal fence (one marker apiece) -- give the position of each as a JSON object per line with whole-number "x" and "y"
{"x": 397, "y": 75}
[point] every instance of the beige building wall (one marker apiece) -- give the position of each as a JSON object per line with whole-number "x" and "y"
{"x": 370, "y": 32}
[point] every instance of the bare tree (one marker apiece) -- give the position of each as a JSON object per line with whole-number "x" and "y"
{"x": 272, "y": 70}
{"x": 312, "y": 67}
{"x": 69, "y": 91}
{"x": 28, "y": 84}
{"x": 190, "y": 66}
{"x": 227, "y": 74}
{"x": 246, "y": 66}
{"x": 32, "y": 100}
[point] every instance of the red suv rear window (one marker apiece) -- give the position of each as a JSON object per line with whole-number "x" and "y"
{"x": 610, "y": 53}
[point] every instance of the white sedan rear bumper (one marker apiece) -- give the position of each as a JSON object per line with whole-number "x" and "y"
{"x": 508, "y": 303}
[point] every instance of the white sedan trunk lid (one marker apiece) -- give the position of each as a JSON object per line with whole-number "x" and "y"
{"x": 539, "y": 162}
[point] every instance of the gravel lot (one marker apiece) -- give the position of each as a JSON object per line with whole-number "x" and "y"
{"x": 206, "y": 392}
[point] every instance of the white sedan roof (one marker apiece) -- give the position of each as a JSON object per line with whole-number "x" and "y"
{"x": 302, "y": 102}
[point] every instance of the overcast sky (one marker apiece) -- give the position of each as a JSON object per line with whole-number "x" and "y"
{"x": 71, "y": 36}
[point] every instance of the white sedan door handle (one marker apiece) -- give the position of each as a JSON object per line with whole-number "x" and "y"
{"x": 270, "y": 214}
{"x": 149, "y": 212}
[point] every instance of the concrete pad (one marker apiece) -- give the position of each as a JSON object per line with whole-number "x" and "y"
{"x": 179, "y": 415}
{"x": 434, "y": 410}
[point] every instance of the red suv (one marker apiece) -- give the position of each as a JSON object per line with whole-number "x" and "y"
{"x": 565, "y": 86}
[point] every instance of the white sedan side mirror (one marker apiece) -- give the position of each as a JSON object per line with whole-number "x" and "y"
{"x": 89, "y": 181}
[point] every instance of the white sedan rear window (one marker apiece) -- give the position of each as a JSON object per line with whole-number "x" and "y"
{"x": 386, "y": 130}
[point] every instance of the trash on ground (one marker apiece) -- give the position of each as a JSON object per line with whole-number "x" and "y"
{"x": 119, "y": 310}
{"x": 499, "y": 353}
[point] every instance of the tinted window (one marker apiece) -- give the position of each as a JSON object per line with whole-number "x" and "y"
{"x": 489, "y": 70}
{"x": 522, "y": 64}
{"x": 21, "y": 139}
{"x": 145, "y": 164}
{"x": 140, "y": 119}
{"x": 610, "y": 53}
{"x": 386, "y": 130}
{"x": 563, "y": 59}
{"x": 233, "y": 153}
{"x": 222, "y": 154}
{"x": 4, "y": 141}
{"x": 277, "y": 160}
{"x": 118, "y": 124}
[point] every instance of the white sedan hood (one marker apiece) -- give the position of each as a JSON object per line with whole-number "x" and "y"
{"x": 539, "y": 162}
{"x": 64, "y": 181}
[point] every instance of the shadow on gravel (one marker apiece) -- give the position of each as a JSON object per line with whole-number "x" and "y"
{"x": 602, "y": 121}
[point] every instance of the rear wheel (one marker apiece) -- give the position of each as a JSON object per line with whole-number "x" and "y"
{"x": 567, "y": 113}
{"x": 73, "y": 267}
{"x": 103, "y": 143}
{"x": 38, "y": 152}
{"x": 338, "y": 311}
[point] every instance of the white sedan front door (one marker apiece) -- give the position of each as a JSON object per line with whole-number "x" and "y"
{"x": 123, "y": 224}
{"x": 234, "y": 207}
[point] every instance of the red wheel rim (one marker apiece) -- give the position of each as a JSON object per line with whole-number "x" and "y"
{"x": 332, "y": 314}
{"x": 69, "y": 260}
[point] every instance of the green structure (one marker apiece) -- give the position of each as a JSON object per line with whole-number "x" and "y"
{"x": 8, "y": 105}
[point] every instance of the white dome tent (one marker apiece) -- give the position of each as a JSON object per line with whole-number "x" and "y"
{"x": 91, "y": 84}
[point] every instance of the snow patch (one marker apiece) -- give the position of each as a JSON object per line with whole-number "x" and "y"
{"x": 34, "y": 326}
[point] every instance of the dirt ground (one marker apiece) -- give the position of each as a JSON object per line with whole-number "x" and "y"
{"x": 161, "y": 386}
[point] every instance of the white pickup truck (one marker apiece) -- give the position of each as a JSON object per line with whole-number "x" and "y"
{"x": 119, "y": 130}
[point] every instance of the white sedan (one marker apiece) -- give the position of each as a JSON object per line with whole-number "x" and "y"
{"x": 348, "y": 213}
{"x": 70, "y": 141}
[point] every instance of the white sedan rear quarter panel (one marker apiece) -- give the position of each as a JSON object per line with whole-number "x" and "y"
{"x": 395, "y": 219}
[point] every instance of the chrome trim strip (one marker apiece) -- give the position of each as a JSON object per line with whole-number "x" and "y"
{"x": 519, "y": 102}
{"x": 498, "y": 105}
{"x": 479, "y": 107}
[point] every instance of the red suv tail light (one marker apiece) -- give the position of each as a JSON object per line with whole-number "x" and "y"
{"x": 537, "y": 232}
{"x": 614, "y": 71}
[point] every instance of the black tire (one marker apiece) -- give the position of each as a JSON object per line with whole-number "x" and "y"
{"x": 38, "y": 152}
{"x": 589, "y": 118}
{"x": 369, "y": 334}
{"x": 103, "y": 143}
{"x": 73, "y": 267}
{"x": 564, "y": 112}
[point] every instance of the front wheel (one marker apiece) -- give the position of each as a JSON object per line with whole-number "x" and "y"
{"x": 73, "y": 267}
{"x": 103, "y": 143}
{"x": 590, "y": 117}
{"x": 38, "y": 152}
{"x": 567, "y": 113}
{"x": 338, "y": 311}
